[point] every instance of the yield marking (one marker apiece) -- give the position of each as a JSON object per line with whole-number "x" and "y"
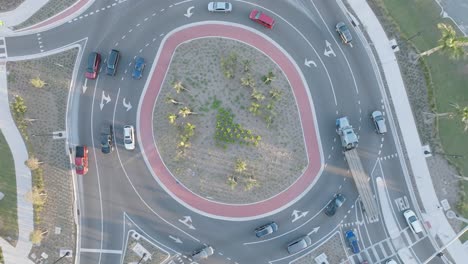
{"x": 402, "y": 203}
{"x": 189, "y": 13}
{"x": 298, "y": 214}
{"x": 187, "y": 221}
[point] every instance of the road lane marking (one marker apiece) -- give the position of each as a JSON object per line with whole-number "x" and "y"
{"x": 105, "y": 251}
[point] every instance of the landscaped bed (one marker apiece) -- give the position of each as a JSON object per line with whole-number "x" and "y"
{"x": 226, "y": 122}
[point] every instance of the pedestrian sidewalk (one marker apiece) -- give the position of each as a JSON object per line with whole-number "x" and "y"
{"x": 19, "y": 14}
{"x": 439, "y": 226}
{"x": 18, "y": 254}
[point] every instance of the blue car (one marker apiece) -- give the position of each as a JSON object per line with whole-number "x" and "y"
{"x": 139, "y": 67}
{"x": 352, "y": 241}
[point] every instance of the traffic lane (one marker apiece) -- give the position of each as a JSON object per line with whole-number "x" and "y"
{"x": 90, "y": 207}
{"x": 22, "y": 45}
{"x": 424, "y": 249}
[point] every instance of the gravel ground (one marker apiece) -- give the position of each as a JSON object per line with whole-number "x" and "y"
{"x": 46, "y": 110}
{"x": 50, "y": 9}
{"x": 8, "y": 5}
{"x": 157, "y": 256}
{"x": 276, "y": 162}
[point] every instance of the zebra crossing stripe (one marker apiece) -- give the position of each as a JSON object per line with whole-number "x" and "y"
{"x": 3, "y": 48}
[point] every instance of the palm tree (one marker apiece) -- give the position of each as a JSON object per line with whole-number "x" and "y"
{"x": 178, "y": 86}
{"x": 254, "y": 108}
{"x": 189, "y": 129}
{"x": 172, "y": 118}
{"x": 185, "y": 111}
{"x": 449, "y": 42}
{"x": 257, "y": 95}
{"x": 33, "y": 163}
{"x": 275, "y": 93}
{"x": 170, "y": 99}
{"x": 462, "y": 113}
{"x": 37, "y": 82}
{"x": 267, "y": 79}
{"x": 248, "y": 81}
{"x": 232, "y": 182}
{"x": 241, "y": 166}
{"x": 250, "y": 182}
{"x": 246, "y": 65}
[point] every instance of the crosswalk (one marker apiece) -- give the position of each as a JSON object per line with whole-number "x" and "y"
{"x": 383, "y": 250}
{"x": 3, "y": 49}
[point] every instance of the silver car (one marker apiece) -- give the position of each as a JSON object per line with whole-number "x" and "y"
{"x": 379, "y": 122}
{"x": 203, "y": 253}
{"x": 344, "y": 32}
{"x": 220, "y": 7}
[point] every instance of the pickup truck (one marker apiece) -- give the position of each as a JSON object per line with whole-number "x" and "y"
{"x": 81, "y": 160}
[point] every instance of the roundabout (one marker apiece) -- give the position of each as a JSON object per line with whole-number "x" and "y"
{"x": 255, "y": 209}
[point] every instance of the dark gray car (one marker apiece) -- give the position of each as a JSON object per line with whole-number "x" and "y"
{"x": 344, "y": 32}
{"x": 337, "y": 201}
{"x": 112, "y": 62}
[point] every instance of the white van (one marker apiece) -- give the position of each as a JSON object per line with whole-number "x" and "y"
{"x": 299, "y": 244}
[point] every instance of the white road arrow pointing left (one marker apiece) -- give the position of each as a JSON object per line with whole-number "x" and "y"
{"x": 189, "y": 13}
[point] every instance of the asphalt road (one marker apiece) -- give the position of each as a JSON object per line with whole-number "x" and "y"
{"x": 119, "y": 188}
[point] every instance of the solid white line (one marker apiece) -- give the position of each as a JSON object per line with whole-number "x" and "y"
{"x": 97, "y": 167}
{"x": 96, "y": 250}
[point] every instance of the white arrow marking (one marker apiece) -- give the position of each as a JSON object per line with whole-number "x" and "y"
{"x": 189, "y": 13}
{"x": 106, "y": 98}
{"x": 85, "y": 86}
{"x": 328, "y": 50}
{"x": 298, "y": 214}
{"x": 315, "y": 230}
{"x": 176, "y": 239}
{"x": 186, "y": 221}
{"x": 128, "y": 106}
{"x": 309, "y": 62}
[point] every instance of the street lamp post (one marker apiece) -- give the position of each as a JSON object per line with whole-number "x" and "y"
{"x": 65, "y": 255}
{"x": 142, "y": 257}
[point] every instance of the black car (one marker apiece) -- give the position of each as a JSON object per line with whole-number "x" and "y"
{"x": 112, "y": 62}
{"x": 107, "y": 139}
{"x": 266, "y": 229}
{"x": 337, "y": 201}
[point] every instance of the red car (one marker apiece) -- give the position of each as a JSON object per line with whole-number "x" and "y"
{"x": 262, "y": 18}
{"x": 94, "y": 59}
{"x": 81, "y": 160}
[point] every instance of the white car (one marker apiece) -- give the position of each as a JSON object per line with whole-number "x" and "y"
{"x": 219, "y": 7}
{"x": 379, "y": 122}
{"x": 413, "y": 221}
{"x": 391, "y": 261}
{"x": 129, "y": 138}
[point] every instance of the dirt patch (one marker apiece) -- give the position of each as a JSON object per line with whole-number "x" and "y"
{"x": 278, "y": 159}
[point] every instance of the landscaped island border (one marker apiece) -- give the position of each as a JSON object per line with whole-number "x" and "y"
{"x": 300, "y": 90}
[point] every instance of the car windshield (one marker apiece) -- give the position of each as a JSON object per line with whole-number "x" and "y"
{"x": 80, "y": 167}
{"x": 128, "y": 140}
{"x": 343, "y": 28}
{"x": 412, "y": 219}
{"x": 257, "y": 16}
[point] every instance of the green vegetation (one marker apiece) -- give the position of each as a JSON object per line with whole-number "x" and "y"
{"x": 8, "y": 205}
{"x": 2, "y": 261}
{"x": 446, "y": 77}
{"x": 229, "y": 132}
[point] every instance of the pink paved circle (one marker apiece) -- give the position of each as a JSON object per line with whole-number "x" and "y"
{"x": 305, "y": 110}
